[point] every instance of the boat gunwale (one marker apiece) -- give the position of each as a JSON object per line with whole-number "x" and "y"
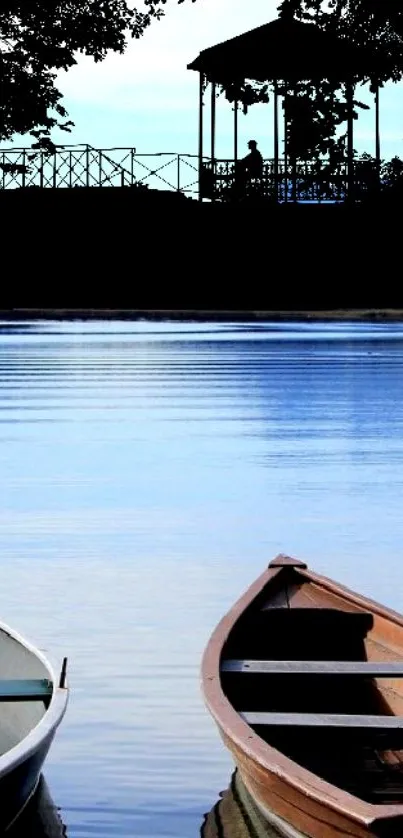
{"x": 236, "y": 730}
{"x": 47, "y": 725}
{"x": 356, "y": 599}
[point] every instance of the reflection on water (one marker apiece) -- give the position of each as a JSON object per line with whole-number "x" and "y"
{"x": 150, "y": 471}
{"x": 40, "y": 818}
{"x": 228, "y": 818}
{"x": 235, "y": 815}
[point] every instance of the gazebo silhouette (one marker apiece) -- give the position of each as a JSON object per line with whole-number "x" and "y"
{"x": 282, "y": 53}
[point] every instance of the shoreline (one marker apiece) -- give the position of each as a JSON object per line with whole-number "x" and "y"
{"x": 204, "y": 315}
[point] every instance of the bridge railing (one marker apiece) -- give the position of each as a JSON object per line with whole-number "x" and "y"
{"x": 84, "y": 166}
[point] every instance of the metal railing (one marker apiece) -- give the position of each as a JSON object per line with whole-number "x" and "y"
{"x": 291, "y": 182}
{"x": 84, "y": 166}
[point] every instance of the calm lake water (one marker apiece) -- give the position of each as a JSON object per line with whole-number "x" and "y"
{"x": 150, "y": 472}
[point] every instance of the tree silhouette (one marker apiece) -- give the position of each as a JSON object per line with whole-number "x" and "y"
{"x": 371, "y": 24}
{"x": 374, "y": 25}
{"x": 40, "y": 37}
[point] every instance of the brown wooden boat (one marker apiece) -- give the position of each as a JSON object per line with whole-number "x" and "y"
{"x": 305, "y": 681}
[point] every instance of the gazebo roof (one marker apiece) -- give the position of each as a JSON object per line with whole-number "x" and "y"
{"x": 284, "y": 50}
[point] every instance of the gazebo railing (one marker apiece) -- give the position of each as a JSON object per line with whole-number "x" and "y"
{"x": 292, "y": 182}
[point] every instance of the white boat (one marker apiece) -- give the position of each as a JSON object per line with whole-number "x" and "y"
{"x": 32, "y": 705}
{"x": 41, "y": 818}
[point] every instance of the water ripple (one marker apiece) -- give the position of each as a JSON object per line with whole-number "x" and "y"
{"x": 150, "y": 471}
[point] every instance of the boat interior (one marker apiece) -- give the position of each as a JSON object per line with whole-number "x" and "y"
{"x": 321, "y": 680}
{"x": 25, "y": 690}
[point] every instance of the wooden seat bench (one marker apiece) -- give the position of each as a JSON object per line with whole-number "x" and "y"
{"x": 26, "y": 690}
{"x": 324, "y": 720}
{"x": 364, "y": 669}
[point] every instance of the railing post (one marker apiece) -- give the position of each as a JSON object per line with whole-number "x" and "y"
{"x": 87, "y": 166}
{"x": 41, "y": 176}
{"x": 24, "y": 163}
{"x": 55, "y": 170}
{"x": 294, "y": 193}
{"x": 132, "y": 166}
{"x": 178, "y": 172}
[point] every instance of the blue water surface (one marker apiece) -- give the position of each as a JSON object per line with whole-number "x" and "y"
{"x": 150, "y": 472}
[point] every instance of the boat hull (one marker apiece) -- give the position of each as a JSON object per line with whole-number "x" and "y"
{"x": 263, "y": 820}
{"x": 40, "y": 818}
{"x": 18, "y": 786}
{"x": 302, "y": 802}
{"x": 301, "y": 816}
{"x": 27, "y": 726}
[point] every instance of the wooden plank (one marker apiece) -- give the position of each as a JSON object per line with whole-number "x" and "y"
{"x": 26, "y": 690}
{"x": 365, "y": 669}
{"x": 325, "y": 720}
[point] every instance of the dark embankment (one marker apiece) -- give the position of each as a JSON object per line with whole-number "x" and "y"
{"x": 118, "y": 248}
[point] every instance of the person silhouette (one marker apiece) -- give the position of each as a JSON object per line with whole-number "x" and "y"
{"x": 249, "y": 167}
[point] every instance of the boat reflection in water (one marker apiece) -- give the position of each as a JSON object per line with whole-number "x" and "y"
{"x": 40, "y": 818}
{"x": 235, "y": 815}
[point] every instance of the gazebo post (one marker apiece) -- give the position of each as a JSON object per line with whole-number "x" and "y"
{"x": 350, "y": 142}
{"x": 294, "y": 170}
{"x": 213, "y": 119}
{"x": 235, "y": 173}
{"x": 213, "y": 122}
{"x": 276, "y": 142}
{"x": 285, "y": 146}
{"x": 201, "y": 90}
{"x": 378, "y": 136}
{"x": 236, "y": 104}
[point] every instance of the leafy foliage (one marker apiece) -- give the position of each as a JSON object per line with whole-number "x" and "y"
{"x": 40, "y": 37}
{"x": 371, "y": 24}
{"x": 379, "y": 181}
{"x": 316, "y": 113}
{"x": 246, "y": 93}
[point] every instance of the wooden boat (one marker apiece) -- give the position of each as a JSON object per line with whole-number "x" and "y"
{"x": 304, "y": 679}
{"x": 32, "y": 706}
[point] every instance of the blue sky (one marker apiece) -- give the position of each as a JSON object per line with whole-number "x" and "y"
{"x": 148, "y": 99}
